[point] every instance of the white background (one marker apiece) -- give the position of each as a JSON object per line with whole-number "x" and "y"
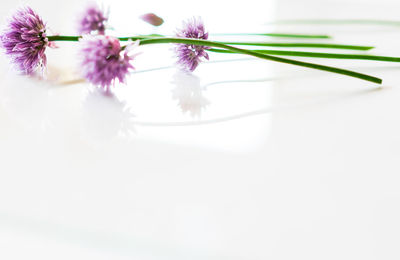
{"x": 244, "y": 159}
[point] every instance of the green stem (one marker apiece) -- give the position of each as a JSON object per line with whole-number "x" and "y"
{"x": 269, "y": 44}
{"x": 262, "y": 56}
{"x": 320, "y": 55}
{"x": 277, "y": 35}
{"x": 63, "y": 38}
{"x": 339, "y": 22}
{"x": 303, "y": 45}
{"x": 150, "y": 40}
{"x": 76, "y": 38}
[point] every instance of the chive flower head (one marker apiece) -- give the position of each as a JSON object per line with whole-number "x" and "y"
{"x": 92, "y": 20}
{"x": 104, "y": 61}
{"x": 24, "y": 40}
{"x": 189, "y": 56}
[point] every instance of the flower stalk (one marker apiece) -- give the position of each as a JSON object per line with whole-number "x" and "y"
{"x": 320, "y": 55}
{"x": 339, "y": 22}
{"x": 262, "y": 56}
{"x": 265, "y": 44}
{"x": 145, "y": 40}
{"x": 277, "y": 35}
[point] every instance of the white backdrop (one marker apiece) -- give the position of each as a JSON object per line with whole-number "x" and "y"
{"x": 244, "y": 159}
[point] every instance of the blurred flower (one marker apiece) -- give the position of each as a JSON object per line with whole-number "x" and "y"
{"x": 189, "y": 94}
{"x": 103, "y": 61}
{"x": 25, "y": 41}
{"x": 106, "y": 117}
{"x": 189, "y": 56}
{"x": 93, "y": 19}
{"x": 152, "y": 19}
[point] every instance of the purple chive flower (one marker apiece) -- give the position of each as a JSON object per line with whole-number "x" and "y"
{"x": 25, "y": 41}
{"x": 104, "y": 61}
{"x": 93, "y": 19}
{"x": 189, "y": 56}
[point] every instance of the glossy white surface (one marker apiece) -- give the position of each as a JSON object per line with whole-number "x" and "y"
{"x": 244, "y": 159}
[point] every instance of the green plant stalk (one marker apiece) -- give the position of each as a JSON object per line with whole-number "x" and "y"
{"x": 277, "y": 35}
{"x": 262, "y": 56}
{"x": 166, "y": 40}
{"x": 320, "y": 55}
{"x": 339, "y": 22}
{"x": 303, "y": 45}
{"x": 266, "y": 44}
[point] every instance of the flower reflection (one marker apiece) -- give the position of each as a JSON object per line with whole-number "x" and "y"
{"x": 106, "y": 116}
{"x": 189, "y": 94}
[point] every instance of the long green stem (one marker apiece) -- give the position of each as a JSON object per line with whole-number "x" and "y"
{"x": 320, "y": 55}
{"x": 163, "y": 40}
{"x": 303, "y": 45}
{"x": 76, "y": 38}
{"x": 277, "y": 35}
{"x": 267, "y": 44}
{"x": 262, "y": 56}
{"x": 338, "y": 22}
{"x": 274, "y": 35}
